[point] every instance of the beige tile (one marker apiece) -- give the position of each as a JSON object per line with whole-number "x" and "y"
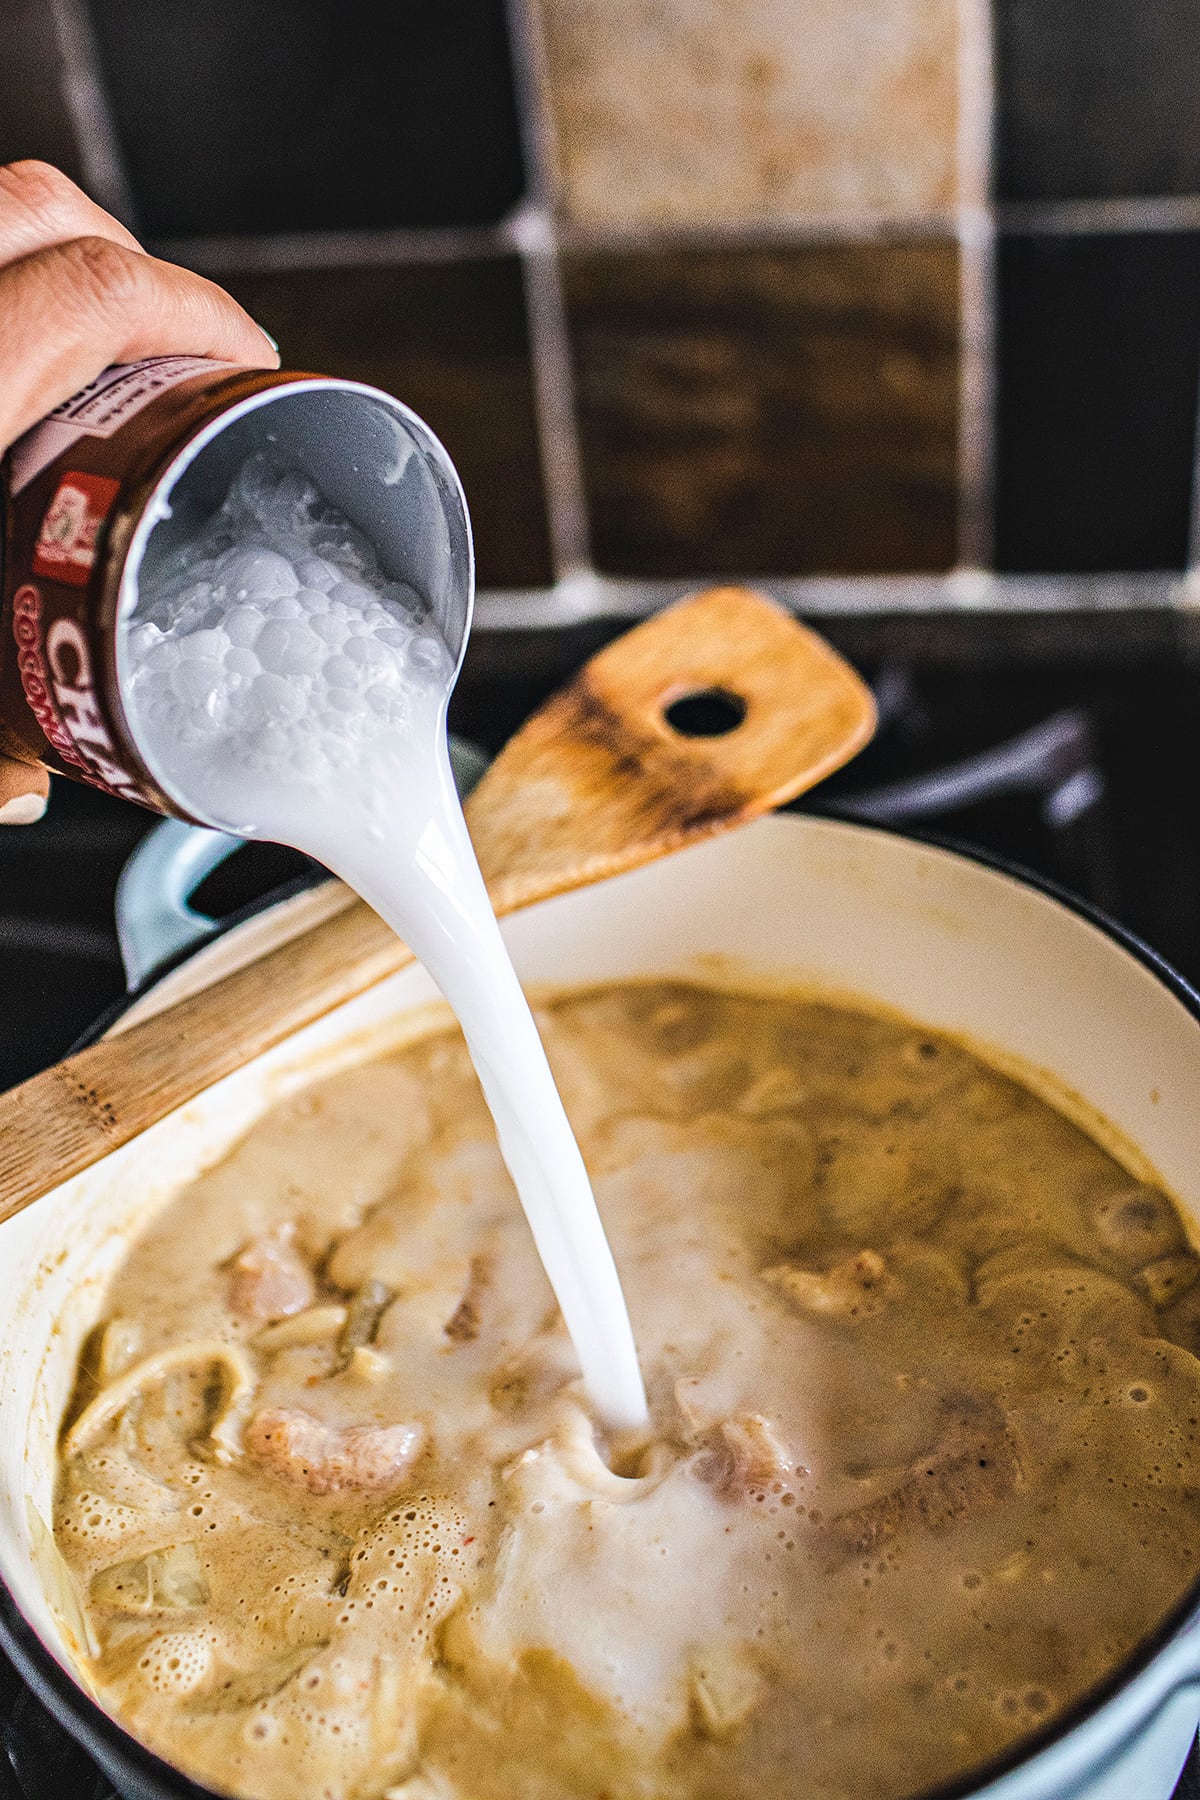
{"x": 687, "y": 111}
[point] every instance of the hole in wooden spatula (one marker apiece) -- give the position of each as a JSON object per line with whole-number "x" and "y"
{"x": 709, "y": 712}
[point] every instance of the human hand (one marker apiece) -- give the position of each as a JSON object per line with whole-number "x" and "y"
{"x": 78, "y": 292}
{"x": 24, "y": 791}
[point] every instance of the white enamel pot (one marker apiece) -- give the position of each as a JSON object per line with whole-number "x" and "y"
{"x": 953, "y": 941}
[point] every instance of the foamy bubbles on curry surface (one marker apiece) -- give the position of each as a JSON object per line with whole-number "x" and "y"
{"x": 96, "y": 1521}
{"x": 177, "y": 1661}
{"x": 273, "y": 647}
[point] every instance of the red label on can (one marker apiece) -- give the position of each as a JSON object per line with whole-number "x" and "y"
{"x": 35, "y": 678}
{"x": 55, "y": 667}
{"x": 66, "y": 544}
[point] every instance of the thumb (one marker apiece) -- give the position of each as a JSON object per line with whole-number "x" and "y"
{"x": 24, "y": 790}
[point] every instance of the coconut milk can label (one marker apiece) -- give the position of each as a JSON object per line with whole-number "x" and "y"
{"x": 101, "y": 408}
{"x": 55, "y": 665}
{"x": 66, "y": 544}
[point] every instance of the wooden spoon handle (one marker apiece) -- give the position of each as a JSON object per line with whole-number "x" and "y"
{"x": 596, "y": 782}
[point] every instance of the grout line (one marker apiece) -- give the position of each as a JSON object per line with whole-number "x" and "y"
{"x": 1067, "y": 218}
{"x": 977, "y": 393}
{"x": 554, "y": 395}
{"x": 831, "y": 596}
{"x": 468, "y": 243}
{"x": 550, "y": 350}
{"x": 256, "y": 254}
{"x": 977, "y": 289}
{"x": 531, "y": 79}
{"x": 103, "y": 164}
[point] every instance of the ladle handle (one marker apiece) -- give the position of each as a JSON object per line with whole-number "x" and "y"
{"x": 596, "y": 782}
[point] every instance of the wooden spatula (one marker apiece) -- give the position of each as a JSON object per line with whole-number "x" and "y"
{"x": 599, "y": 781}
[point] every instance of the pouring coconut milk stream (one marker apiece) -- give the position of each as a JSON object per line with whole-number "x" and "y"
{"x": 282, "y": 687}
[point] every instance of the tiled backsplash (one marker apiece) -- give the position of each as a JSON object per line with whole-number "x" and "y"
{"x": 732, "y": 112}
{"x": 1096, "y": 408}
{"x": 894, "y": 304}
{"x": 309, "y": 115}
{"x": 1097, "y": 100}
{"x": 768, "y": 409}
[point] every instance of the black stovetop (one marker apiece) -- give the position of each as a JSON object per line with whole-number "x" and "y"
{"x": 1086, "y": 776}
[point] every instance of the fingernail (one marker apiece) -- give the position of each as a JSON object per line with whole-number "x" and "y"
{"x": 269, "y": 338}
{"x": 23, "y": 809}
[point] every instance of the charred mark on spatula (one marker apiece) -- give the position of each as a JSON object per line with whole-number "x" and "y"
{"x": 648, "y": 762}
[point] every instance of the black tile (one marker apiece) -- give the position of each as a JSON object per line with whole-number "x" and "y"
{"x": 1099, "y": 357}
{"x": 1098, "y": 98}
{"x": 33, "y": 115}
{"x": 768, "y": 411}
{"x": 300, "y": 115}
{"x": 59, "y": 962}
{"x": 450, "y": 340}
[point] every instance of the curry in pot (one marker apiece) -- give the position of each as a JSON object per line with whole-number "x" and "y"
{"x": 925, "y": 1459}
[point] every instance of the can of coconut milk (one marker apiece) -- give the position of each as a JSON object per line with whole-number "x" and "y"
{"x": 145, "y": 447}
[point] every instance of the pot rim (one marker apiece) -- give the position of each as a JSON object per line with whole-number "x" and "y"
{"x": 90, "y": 1724}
